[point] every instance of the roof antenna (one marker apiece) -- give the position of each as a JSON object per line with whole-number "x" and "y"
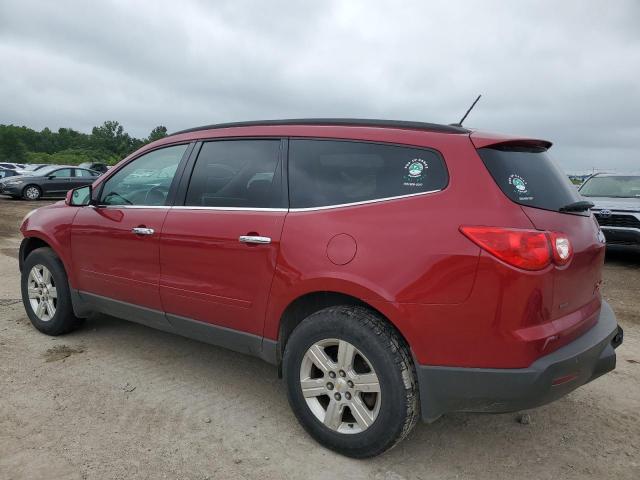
{"x": 459, "y": 124}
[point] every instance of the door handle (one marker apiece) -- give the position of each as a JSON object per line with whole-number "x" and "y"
{"x": 254, "y": 239}
{"x": 143, "y": 231}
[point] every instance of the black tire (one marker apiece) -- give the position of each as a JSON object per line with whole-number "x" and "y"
{"x": 390, "y": 358}
{"x": 64, "y": 320}
{"x": 35, "y": 188}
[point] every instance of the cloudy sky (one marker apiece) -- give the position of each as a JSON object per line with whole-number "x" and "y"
{"x": 567, "y": 71}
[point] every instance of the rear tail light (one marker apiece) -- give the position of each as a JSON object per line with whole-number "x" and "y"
{"x": 526, "y": 249}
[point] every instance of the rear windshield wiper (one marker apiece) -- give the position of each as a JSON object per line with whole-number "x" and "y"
{"x": 580, "y": 206}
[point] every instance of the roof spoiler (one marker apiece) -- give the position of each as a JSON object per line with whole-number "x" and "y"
{"x": 483, "y": 140}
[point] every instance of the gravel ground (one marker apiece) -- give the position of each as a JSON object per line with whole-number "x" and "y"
{"x": 119, "y": 400}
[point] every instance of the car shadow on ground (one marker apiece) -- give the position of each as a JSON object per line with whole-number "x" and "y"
{"x": 209, "y": 374}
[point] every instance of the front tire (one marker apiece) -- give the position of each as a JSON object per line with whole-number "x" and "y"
{"x": 31, "y": 192}
{"x": 45, "y": 293}
{"x": 351, "y": 381}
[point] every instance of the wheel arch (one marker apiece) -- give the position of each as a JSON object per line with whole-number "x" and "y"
{"x": 28, "y": 245}
{"x": 310, "y": 302}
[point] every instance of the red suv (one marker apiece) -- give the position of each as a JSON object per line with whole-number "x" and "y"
{"x": 391, "y": 270}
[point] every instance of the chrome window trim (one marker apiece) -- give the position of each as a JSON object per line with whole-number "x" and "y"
{"x": 364, "y": 202}
{"x": 230, "y": 209}
{"x": 130, "y": 206}
{"x": 258, "y": 209}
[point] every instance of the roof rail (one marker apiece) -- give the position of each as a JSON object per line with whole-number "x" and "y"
{"x": 351, "y": 122}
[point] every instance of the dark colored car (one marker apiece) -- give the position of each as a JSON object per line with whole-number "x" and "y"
{"x": 391, "y": 270}
{"x": 616, "y": 199}
{"x": 95, "y": 166}
{"x": 7, "y": 172}
{"x": 53, "y": 181}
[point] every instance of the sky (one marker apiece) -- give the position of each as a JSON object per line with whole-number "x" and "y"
{"x": 565, "y": 71}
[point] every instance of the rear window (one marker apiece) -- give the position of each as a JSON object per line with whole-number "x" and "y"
{"x": 332, "y": 172}
{"x": 528, "y": 176}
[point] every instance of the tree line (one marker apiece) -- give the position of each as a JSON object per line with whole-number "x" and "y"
{"x": 107, "y": 143}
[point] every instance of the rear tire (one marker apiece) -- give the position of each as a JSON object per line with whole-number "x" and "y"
{"x": 31, "y": 192}
{"x": 45, "y": 293}
{"x": 359, "y": 407}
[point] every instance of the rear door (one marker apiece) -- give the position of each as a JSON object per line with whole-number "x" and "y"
{"x": 219, "y": 248}
{"x": 82, "y": 177}
{"x": 528, "y": 176}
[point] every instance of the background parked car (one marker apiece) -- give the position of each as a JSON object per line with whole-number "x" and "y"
{"x": 52, "y": 181}
{"x": 95, "y": 166}
{"x": 6, "y": 172}
{"x": 32, "y": 167}
{"x": 616, "y": 199}
{"x": 11, "y": 165}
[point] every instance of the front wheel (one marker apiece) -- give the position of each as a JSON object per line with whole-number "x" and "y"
{"x": 351, "y": 381}
{"x": 31, "y": 192}
{"x": 45, "y": 293}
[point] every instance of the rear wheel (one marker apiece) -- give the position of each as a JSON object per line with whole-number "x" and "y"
{"x": 31, "y": 192}
{"x": 45, "y": 293}
{"x": 351, "y": 381}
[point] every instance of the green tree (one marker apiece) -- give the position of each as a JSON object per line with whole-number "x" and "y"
{"x": 111, "y": 136}
{"x": 157, "y": 133}
{"x": 12, "y": 148}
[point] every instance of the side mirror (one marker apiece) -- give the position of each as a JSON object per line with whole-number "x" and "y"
{"x": 79, "y": 197}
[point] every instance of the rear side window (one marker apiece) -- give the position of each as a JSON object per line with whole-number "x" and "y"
{"x": 529, "y": 177}
{"x": 330, "y": 172}
{"x": 84, "y": 173}
{"x": 237, "y": 173}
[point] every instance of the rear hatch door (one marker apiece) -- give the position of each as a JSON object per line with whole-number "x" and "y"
{"x": 528, "y": 176}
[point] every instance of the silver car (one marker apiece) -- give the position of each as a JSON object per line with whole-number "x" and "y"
{"x": 617, "y": 205}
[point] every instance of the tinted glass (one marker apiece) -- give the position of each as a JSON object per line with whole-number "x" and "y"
{"x": 329, "y": 172}
{"x": 529, "y": 177}
{"x": 144, "y": 181}
{"x": 618, "y": 186}
{"x": 62, "y": 173}
{"x": 237, "y": 173}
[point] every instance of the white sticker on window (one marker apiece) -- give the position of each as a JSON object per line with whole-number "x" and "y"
{"x": 415, "y": 172}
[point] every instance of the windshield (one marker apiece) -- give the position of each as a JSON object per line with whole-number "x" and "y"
{"x": 618, "y": 186}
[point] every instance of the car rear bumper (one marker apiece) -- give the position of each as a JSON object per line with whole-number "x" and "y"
{"x": 456, "y": 389}
{"x": 621, "y": 236}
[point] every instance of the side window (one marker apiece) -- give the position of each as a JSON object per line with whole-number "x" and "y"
{"x": 237, "y": 173}
{"x": 144, "y": 181}
{"x": 328, "y": 172}
{"x": 84, "y": 173}
{"x": 62, "y": 173}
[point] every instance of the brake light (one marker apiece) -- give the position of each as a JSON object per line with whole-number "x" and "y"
{"x": 526, "y": 249}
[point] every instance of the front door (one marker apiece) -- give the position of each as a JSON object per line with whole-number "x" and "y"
{"x": 115, "y": 245}
{"x": 219, "y": 249}
{"x": 58, "y": 181}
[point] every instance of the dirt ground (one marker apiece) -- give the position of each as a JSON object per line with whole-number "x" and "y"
{"x": 117, "y": 400}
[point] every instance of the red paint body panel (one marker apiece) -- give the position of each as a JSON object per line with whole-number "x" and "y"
{"x": 455, "y": 304}
{"x": 208, "y": 275}
{"x": 111, "y": 261}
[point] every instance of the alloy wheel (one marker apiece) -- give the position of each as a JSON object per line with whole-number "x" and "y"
{"x": 340, "y": 386}
{"x": 32, "y": 193}
{"x": 42, "y": 292}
